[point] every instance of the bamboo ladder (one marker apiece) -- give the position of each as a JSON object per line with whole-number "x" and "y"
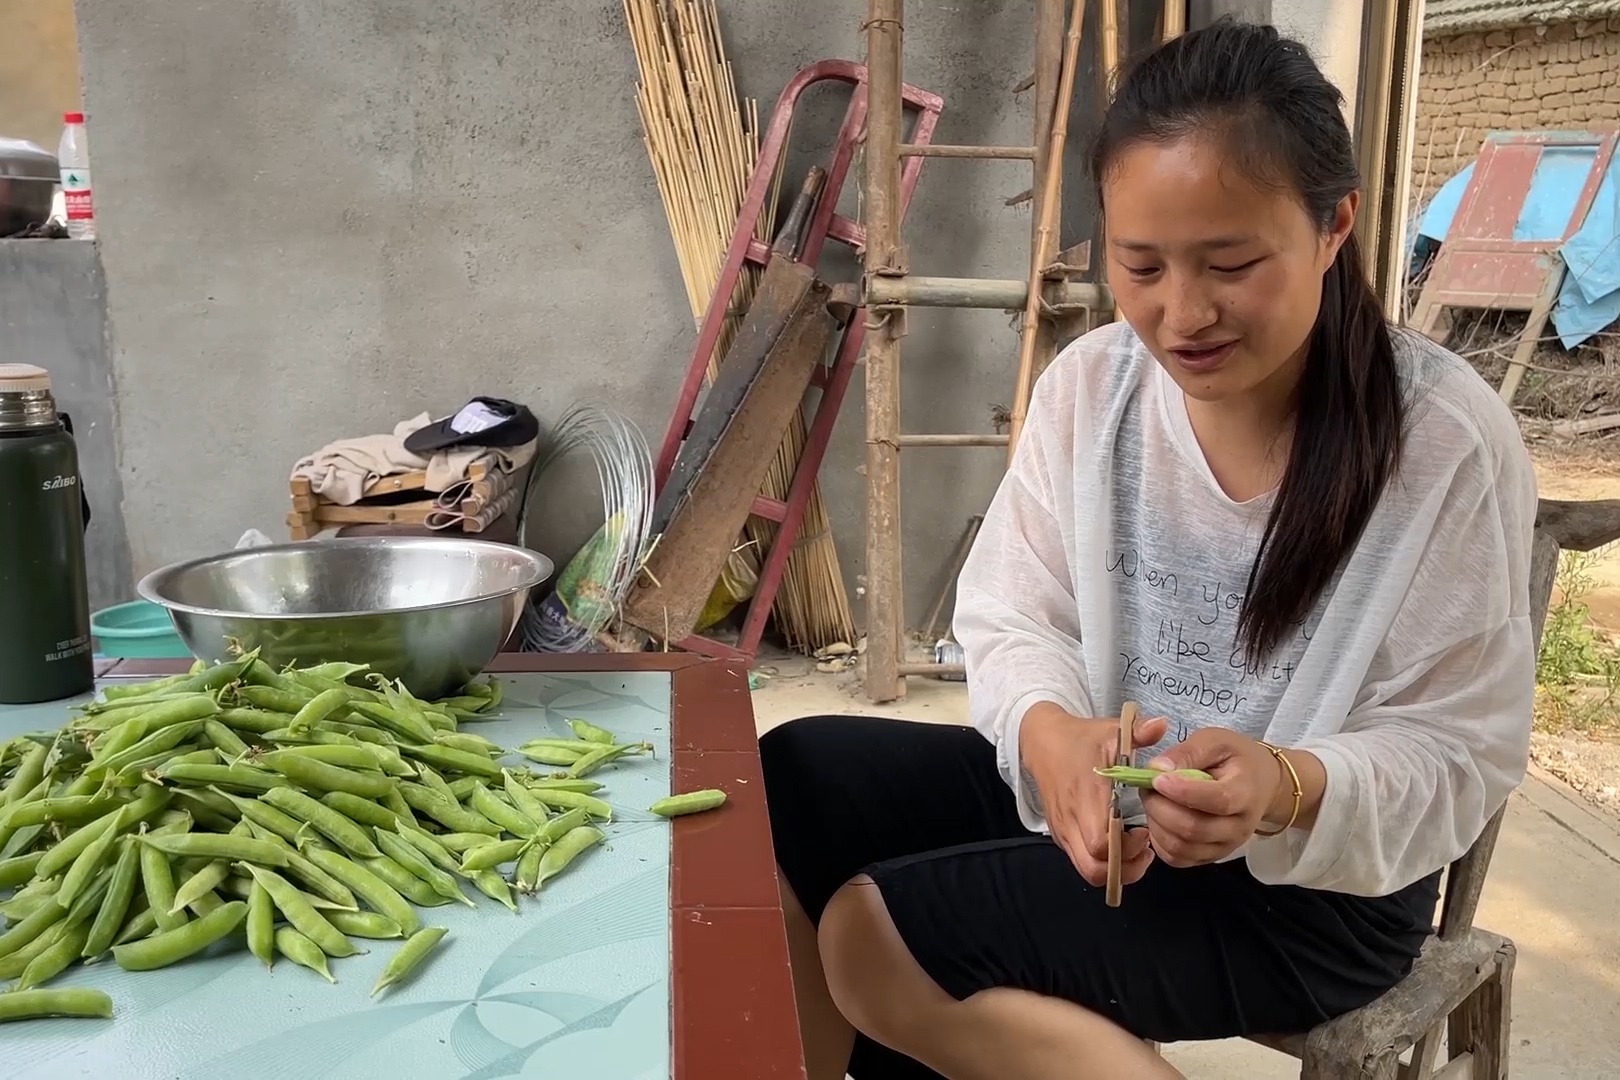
{"x": 1048, "y": 299}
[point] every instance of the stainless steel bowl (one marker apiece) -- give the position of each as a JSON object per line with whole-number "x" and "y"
{"x": 429, "y": 611}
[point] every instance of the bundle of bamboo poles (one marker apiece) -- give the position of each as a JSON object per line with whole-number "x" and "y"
{"x": 703, "y": 141}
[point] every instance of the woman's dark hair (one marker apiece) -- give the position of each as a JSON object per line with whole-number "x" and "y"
{"x": 1279, "y": 120}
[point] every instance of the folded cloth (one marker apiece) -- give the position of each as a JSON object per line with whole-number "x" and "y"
{"x": 341, "y": 471}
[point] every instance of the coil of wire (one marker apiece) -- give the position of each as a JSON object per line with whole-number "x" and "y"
{"x": 590, "y": 590}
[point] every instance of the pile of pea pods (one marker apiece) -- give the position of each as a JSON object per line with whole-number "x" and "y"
{"x": 301, "y": 808}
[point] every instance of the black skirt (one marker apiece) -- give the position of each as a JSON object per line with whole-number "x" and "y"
{"x": 1200, "y": 953}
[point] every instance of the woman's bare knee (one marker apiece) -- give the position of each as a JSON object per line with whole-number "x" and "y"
{"x": 873, "y": 978}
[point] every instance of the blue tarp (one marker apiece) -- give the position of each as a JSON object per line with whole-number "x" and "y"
{"x": 1590, "y": 299}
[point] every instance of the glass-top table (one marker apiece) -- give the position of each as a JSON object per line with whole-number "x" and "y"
{"x": 661, "y": 955}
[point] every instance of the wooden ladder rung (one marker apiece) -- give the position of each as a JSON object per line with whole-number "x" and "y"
{"x": 980, "y": 439}
{"x": 1007, "y": 153}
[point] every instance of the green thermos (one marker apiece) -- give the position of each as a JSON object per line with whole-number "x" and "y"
{"x": 45, "y": 652}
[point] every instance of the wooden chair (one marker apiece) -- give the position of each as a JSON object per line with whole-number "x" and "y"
{"x": 1461, "y": 987}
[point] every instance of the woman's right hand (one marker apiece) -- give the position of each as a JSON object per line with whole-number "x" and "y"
{"x": 1060, "y": 751}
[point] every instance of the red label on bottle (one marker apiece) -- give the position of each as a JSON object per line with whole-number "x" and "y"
{"x": 79, "y": 205}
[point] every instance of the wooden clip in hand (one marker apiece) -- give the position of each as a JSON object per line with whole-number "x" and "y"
{"x": 1116, "y": 823}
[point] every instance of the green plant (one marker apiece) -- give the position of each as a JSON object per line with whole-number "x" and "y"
{"x": 1578, "y": 670}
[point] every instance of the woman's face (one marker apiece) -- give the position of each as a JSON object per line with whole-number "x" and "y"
{"x": 1220, "y": 277}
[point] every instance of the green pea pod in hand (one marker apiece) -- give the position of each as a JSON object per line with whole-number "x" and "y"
{"x": 1132, "y": 776}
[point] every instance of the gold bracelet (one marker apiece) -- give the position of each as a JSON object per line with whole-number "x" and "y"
{"x": 1299, "y": 791}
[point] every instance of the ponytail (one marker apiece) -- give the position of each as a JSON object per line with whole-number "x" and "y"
{"x": 1347, "y": 442}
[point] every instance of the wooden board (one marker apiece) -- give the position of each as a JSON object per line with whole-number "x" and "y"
{"x": 688, "y": 556}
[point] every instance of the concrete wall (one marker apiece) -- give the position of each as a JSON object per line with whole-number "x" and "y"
{"x": 39, "y": 69}
{"x": 53, "y": 302}
{"x": 1557, "y": 76}
{"x": 318, "y": 218}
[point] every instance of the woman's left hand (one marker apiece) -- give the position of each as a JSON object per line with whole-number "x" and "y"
{"x": 1192, "y": 822}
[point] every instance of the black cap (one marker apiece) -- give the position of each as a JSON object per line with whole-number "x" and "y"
{"x": 483, "y": 421}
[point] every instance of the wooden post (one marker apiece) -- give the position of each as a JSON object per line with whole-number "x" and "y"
{"x": 1043, "y": 247}
{"x": 885, "y": 604}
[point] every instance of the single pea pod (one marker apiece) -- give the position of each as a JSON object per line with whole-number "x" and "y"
{"x": 400, "y": 851}
{"x": 308, "y": 773}
{"x": 115, "y": 905}
{"x": 251, "y": 720}
{"x": 258, "y": 812}
{"x": 690, "y": 802}
{"x": 604, "y": 755}
{"x": 22, "y": 933}
{"x": 588, "y": 731}
{"x": 13, "y": 966}
{"x": 224, "y": 740}
{"x": 468, "y": 742}
{"x": 157, "y": 878}
{"x": 576, "y": 747}
{"x": 76, "y": 1003}
{"x": 200, "y": 884}
{"x": 446, "y": 811}
{"x": 1143, "y": 778}
{"x": 230, "y": 847}
{"x": 429, "y": 846}
{"x": 573, "y": 800}
{"x": 365, "y": 924}
{"x": 142, "y": 924}
{"x": 69, "y": 810}
{"x": 50, "y": 963}
{"x": 388, "y": 759}
{"x": 396, "y": 804}
{"x": 404, "y": 882}
{"x": 490, "y": 805}
{"x": 412, "y": 729}
{"x": 489, "y": 856}
{"x": 522, "y": 798}
{"x": 29, "y": 773}
{"x": 382, "y": 897}
{"x": 27, "y": 900}
{"x": 86, "y": 867}
{"x": 409, "y": 957}
{"x": 18, "y": 869}
{"x": 562, "y": 783}
{"x": 462, "y": 761}
{"x": 324, "y": 704}
{"x": 431, "y": 779}
{"x": 241, "y": 776}
{"x": 171, "y": 946}
{"x": 561, "y": 825}
{"x": 551, "y": 755}
{"x": 346, "y": 754}
{"x": 276, "y": 699}
{"x": 324, "y": 820}
{"x": 559, "y": 855}
{"x": 360, "y": 811}
{"x": 527, "y": 878}
{"x": 261, "y": 924}
{"x": 303, "y": 952}
{"x": 492, "y": 885}
{"x": 302, "y": 914}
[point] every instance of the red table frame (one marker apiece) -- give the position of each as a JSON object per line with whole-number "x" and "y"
{"x": 731, "y": 989}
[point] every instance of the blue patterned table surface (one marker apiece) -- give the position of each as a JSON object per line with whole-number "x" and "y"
{"x": 575, "y": 986}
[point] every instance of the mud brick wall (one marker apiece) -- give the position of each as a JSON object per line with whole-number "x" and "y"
{"x": 1562, "y": 75}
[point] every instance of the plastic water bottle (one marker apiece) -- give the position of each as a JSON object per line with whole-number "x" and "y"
{"x": 73, "y": 153}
